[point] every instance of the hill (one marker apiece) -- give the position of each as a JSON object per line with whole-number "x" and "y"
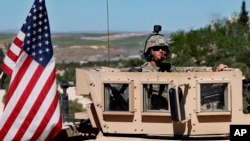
{"x": 81, "y": 47}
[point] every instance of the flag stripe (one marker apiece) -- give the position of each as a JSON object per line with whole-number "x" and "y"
{"x": 6, "y": 69}
{"x": 57, "y": 127}
{"x": 46, "y": 119}
{"x": 38, "y": 102}
{"x": 24, "y": 96}
{"x": 14, "y": 90}
{"x": 18, "y": 42}
{"x": 44, "y": 107}
{"x": 16, "y": 46}
{"x": 13, "y": 54}
{"x": 15, "y": 81}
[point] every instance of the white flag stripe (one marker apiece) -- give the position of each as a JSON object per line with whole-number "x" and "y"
{"x": 15, "y": 97}
{"x": 18, "y": 66}
{"x": 47, "y": 101}
{"x": 17, "y": 123}
{"x": 9, "y": 62}
{"x": 45, "y": 106}
{"x": 30, "y": 101}
{"x": 37, "y": 119}
{"x": 21, "y": 35}
{"x": 53, "y": 118}
{"x": 21, "y": 59}
{"x": 14, "y": 48}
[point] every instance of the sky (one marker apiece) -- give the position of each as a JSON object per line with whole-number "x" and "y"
{"x": 121, "y": 15}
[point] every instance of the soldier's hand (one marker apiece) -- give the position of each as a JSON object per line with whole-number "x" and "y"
{"x": 221, "y": 67}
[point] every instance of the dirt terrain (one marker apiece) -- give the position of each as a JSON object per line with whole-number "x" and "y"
{"x": 81, "y": 53}
{"x": 73, "y": 49}
{"x": 88, "y": 53}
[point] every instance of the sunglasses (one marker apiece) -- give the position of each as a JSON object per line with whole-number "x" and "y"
{"x": 157, "y": 48}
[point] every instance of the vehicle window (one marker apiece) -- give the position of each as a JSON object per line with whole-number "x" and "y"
{"x": 116, "y": 97}
{"x": 155, "y": 97}
{"x": 213, "y": 97}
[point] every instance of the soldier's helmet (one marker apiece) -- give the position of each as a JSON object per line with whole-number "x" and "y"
{"x": 155, "y": 40}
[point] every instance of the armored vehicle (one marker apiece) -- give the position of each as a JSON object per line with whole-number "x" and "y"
{"x": 159, "y": 105}
{"x": 188, "y": 103}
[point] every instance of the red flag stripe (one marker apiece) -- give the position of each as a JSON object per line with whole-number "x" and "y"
{"x": 20, "y": 103}
{"x": 46, "y": 119}
{"x": 7, "y": 69}
{"x": 38, "y": 102}
{"x": 18, "y": 42}
{"x": 45, "y": 107}
{"x": 13, "y": 54}
{"x": 55, "y": 130}
{"x": 15, "y": 81}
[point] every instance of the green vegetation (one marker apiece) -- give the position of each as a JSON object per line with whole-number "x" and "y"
{"x": 67, "y": 40}
{"x": 6, "y": 38}
{"x": 223, "y": 42}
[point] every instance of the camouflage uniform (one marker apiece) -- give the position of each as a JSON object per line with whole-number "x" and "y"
{"x": 148, "y": 67}
{"x": 158, "y": 93}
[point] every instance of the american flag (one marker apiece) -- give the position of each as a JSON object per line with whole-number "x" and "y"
{"x": 31, "y": 110}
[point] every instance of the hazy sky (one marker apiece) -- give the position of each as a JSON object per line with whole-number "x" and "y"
{"x": 124, "y": 15}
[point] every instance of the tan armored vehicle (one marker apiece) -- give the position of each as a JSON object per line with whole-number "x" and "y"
{"x": 191, "y": 104}
{"x": 129, "y": 104}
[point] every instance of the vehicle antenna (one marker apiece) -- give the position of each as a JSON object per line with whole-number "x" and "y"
{"x": 107, "y": 3}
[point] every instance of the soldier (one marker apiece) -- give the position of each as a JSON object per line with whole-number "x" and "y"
{"x": 157, "y": 49}
{"x": 155, "y": 52}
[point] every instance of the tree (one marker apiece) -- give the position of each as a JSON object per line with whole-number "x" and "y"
{"x": 243, "y": 17}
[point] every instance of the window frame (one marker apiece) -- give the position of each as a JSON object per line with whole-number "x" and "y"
{"x": 131, "y": 108}
{"x": 154, "y": 112}
{"x": 227, "y": 98}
